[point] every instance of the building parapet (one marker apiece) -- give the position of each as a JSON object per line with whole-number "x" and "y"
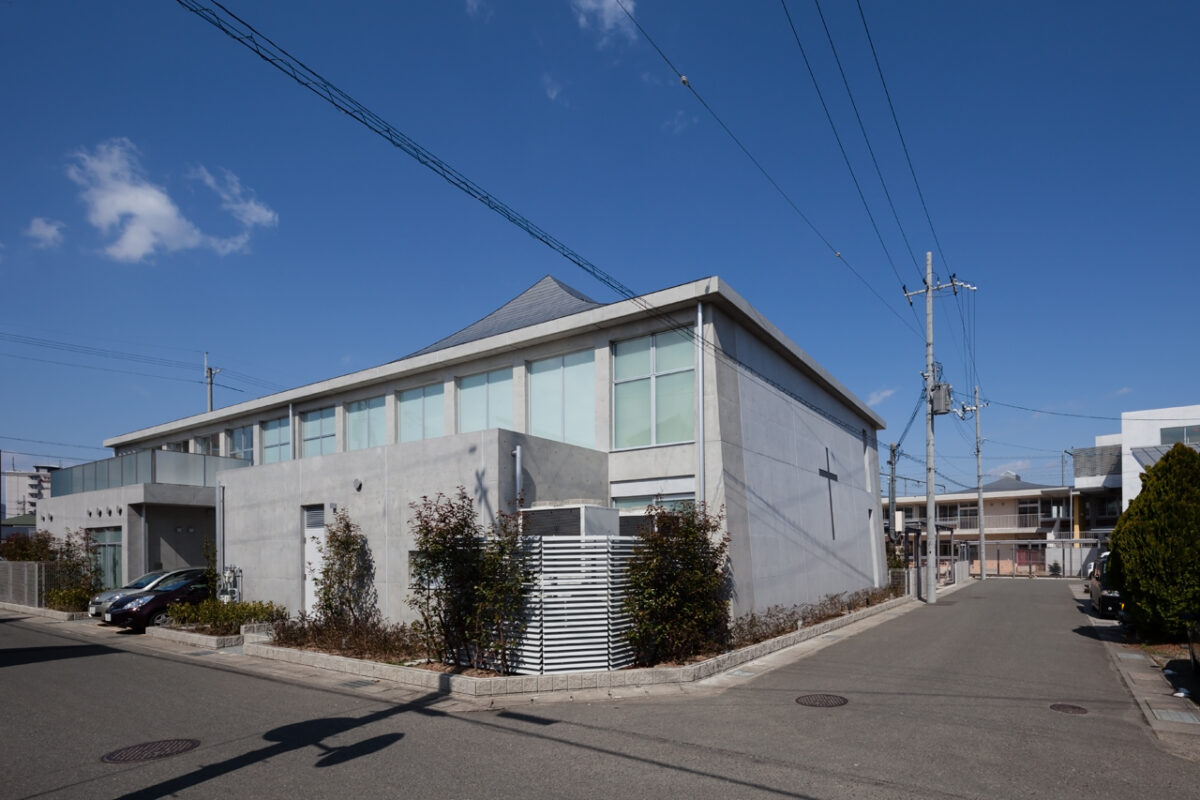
{"x": 146, "y": 466}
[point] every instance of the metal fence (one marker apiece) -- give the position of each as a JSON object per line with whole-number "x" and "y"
{"x": 23, "y": 583}
{"x": 1035, "y": 558}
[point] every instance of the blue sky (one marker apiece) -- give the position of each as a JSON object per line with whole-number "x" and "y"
{"x": 166, "y": 192}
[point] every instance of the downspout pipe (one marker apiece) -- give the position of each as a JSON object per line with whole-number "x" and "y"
{"x": 520, "y": 477}
{"x": 701, "y": 493}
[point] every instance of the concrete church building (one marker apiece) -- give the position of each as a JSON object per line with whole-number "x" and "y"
{"x": 685, "y": 394}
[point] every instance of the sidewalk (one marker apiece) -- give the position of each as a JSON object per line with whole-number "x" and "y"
{"x": 1167, "y": 715}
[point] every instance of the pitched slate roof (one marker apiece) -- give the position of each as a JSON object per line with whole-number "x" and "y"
{"x": 1012, "y": 483}
{"x": 546, "y": 300}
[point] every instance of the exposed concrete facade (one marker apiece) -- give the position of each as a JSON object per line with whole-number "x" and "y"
{"x": 777, "y": 442}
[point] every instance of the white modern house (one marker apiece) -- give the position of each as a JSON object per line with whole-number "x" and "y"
{"x": 1109, "y": 475}
{"x": 552, "y": 401}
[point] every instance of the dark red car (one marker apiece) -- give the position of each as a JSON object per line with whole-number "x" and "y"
{"x": 141, "y": 609}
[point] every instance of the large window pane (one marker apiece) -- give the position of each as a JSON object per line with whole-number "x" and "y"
{"x": 631, "y": 359}
{"x": 365, "y": 424}
{"x": 546, "y": 399}
{"x": 500, "y": 399}
{"x": 472, "y": 403}
{"x": 674, "y": 401}
{"x": 421, "y": 413}
{"x": 631, "y": 414}
{"x": 673, "y": 350}
{"x": 317, "y": 433}
{"x": 277, "y": 440}
{"x": 654, "y": 390}
{"x": 579, "y": 404}
{"x": 435, "y": 411}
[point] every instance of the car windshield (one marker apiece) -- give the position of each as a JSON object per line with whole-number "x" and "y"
{"x": 171, "y": 584}
{"x": 146, "y": 580}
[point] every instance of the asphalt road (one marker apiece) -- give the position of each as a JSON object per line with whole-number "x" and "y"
{"x": 951, "y": 700}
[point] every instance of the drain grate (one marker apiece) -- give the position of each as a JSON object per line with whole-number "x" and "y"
{"x": 822, "y": 700}
{"x": 150, "y": 751}
{"x": 1067, "y": 708}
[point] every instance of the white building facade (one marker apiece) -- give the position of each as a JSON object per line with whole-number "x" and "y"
{"x": 553, "y": 400}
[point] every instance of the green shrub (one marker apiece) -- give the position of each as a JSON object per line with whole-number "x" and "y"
{"x": 1155, "y": 561}
{"x": 678, "y": 585}
{"x": 469, "y": 586}
{"x": 223, "y": 619}
{"x": 72, "y": 598}
{"x": 346, "y": 580}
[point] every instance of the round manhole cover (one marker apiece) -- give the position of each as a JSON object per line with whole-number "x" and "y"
{"x": 1067, "y": 708}
{"x": 822, "y": 700}
{"x": 150, "y": 751}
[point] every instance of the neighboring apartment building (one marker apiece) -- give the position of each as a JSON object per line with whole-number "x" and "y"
{"x": 20, "y": 490}
{"x": 553, "y": 400}
{"x": 1109, "y": 475}
{"x": 1018, "y": 519}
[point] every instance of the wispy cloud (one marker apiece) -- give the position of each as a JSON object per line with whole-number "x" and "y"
{"x": 1121, "y": 391}
{"x": 122, "y": 202}
{"x": 679, "y": 123}
{"x": 606, "y": 17}
{"x": 879, "y": 395}
{"x": 46, "y": 233}
{"x": 552, "y": 87}
{"x": 479, "y": 9}
{"x": 239, "y": 202}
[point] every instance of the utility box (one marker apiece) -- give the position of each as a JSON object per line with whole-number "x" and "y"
{"x": 940, "y": 399}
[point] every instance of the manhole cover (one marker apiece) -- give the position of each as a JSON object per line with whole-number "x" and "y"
{"x": 822, "y": 700}
{"x": 1067, "y": 708}
{"x": 150, "y": 751}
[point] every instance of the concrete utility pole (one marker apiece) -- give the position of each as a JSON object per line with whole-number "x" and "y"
{"x": 979, "y": 481}
{"x": 209, "y": 372}
{"x": 937, "y": 397}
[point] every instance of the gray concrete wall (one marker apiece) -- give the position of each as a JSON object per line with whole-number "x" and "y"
{"x": 796, "y": 535}
{"x": 262, "y": 505}
{"x": 148, "y": 515}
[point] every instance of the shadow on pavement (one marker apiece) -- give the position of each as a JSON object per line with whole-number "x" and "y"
{"x": 17, "y": 656}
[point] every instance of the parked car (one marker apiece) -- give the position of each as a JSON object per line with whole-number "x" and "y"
{"x": 1106, "y": 602}
{"x": 100, "y": 603}
{"x": 141, "y": 609}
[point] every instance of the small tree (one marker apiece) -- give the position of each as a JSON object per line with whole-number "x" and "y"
{"x": 678, "y": 591}
{"x": 346, "y": 581}
{"x": 38, "y": 546}
{"x": 468, "y": 585}
{"x": 74, "y": 575}
{"x": 1155, "y": 561}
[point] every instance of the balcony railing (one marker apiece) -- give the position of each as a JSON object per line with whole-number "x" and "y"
{"x": 147, "y": 466}
{"x": 1001, "y": 522}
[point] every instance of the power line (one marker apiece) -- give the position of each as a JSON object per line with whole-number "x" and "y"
{"x": 763, "y": 170}
{"x": 113, "y": 370}
{"x": 56, "y": 444}
{"x": 1083, "y": 416}
{"x": 861, "y": 127}
{"x": 266, "y": 49}
{"x": 43, "y": 455}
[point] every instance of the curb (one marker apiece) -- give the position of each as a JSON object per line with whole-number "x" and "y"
{"x": 464, "y": 686}
{"x": 33, "y": 611}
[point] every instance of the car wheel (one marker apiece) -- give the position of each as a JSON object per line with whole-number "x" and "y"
{"x": 160, "y": 618}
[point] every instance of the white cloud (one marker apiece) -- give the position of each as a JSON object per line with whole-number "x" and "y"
{"x": 552, "y": 87}
{"x": 1121, "y": 391}
{"x": 606, "y": 16}
{"x": 46, "y": 233}
{"x": 145, "y": 220}
{"x": 879, "y": 395}
{"x": 479, "y": 9}
{"x": 238, "y": 202}
{"x": 679, "y": 123}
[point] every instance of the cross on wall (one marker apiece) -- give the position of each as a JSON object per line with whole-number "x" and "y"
{"x": 829, "y": 476}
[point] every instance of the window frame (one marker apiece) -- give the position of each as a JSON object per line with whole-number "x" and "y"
{"x": 564, "y": 401}
{"x": 369, "y": 412}
{"x": 283, "y": 447}
{"x": 654, "y": 376}
{"x": 490, "y": 420}
{"x": 426, "y": 392}
{"x": 328, "y": 431}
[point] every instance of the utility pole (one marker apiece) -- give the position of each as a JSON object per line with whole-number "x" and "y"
{"x": 937, "y": 402}
{"x": 979, "y": 481}
{"x": 209, "y": 372}
{"x": 893, "y": 452}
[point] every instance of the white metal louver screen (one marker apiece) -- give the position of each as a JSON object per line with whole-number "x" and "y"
{"x": 576, "y": 620}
